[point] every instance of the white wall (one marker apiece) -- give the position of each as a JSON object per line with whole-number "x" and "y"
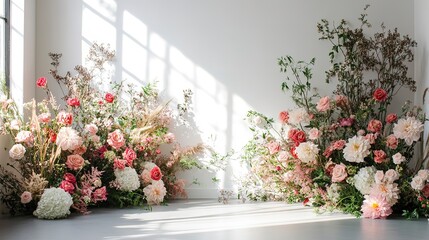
{"x": 225, "y": 51}
{"x": 421, "y": 73}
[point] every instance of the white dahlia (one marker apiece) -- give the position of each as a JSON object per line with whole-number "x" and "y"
{"x": 299, "y": 116}
{"x": 54, "y": 203}
{"x": 307, "y": 151}
{"x": 364, "y": 179}
{"x": 127, "y": 179}
{"x": 408, "y": 129}
{"x": 155, "y": 192}
{"x": 356, "y": 149}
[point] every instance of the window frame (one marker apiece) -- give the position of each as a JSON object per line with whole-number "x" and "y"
{"x": 6, "y": 19}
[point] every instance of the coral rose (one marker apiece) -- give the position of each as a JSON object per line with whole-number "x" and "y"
{"x": 391, "y": 142}
{"x": 155, "y": 173}
{"x": 284, "y": 117}
{"x": 73, "y": 102}
{"x": 119, "y": 163}
{"x": 75, "y": 162}
{"x": 99, "y": 194}
{"x": 379, "y": 156}
{"x": 391, "y": 118}
{"x": 116, "y": 139}
{"x": 65, "y": 118}
{"x": 129, "y": 155}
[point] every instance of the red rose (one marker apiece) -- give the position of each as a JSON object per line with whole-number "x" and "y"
{"x": 391, "y": 118}
{"x": 109, "y": 97}
{"x": 73, "y": 102}
{"x": 67, "y": 186}
{"x": 155, "y": 173}
{"x": 41, "y": 82}
{"x": 380, "y": 95}
{"x": 297, "y": 136}
{"x": 70, "y": 178}
{"x": 284, "y": 117}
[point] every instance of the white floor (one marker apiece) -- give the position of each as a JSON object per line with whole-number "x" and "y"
{"x": 208, "y": 219}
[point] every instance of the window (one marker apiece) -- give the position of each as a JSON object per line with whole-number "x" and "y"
{"x": 4, "y": 40}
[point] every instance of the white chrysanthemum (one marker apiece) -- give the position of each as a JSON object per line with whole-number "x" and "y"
{"x": 299, "y": 116}
{"x": 408, "y": 129}
{"x": 356, "y": 149}
{"x": 54, "y": 203}
{"x": 364, "y": 179}
{"x": 155, "y": 192}
{"x": 127, "y": 179}
{"x": 307, "y": 151}
{"x": 68, "y": 139}
{"x": 418, "y": 183}
{"x": 333, "y": 192}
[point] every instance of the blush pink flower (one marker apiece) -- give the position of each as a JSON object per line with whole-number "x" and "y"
{"x": 273, "y": 147}
{"x": 314, "y": 134}
{"x": 26, "y": 197}
{"x": 339, "y": 173}
{"x": 75, "y": 162}
{"x": 44, "y": 117}
{"x": 91, "y": 129}
{"x": 116, "y": 139}
{"x": 146, "y": 176}
{"x": 25, "y": 137}
{"x": 374, "y": 125}
{"x": 129, "y": 155}
{"x": 339, "y": 144}
{"x": 99, "y": 194}
{"x": 391, "y": 141}
{"x": 284, "y": 117}
{"x": 67, "y": 186}
{"x": 65, "y": 118}
{"x": 68, "y": 139}
{"x": 41, "y": 82}
{"x": 346, "y": 122}
{"x": 169, "y": 138}
{"x": 323, "y": 105}
{"x": 341, "y": 101}
{"x": 376, "y": 207}
{"x": 371, "y": 137}
{"x": 379, "y": 156}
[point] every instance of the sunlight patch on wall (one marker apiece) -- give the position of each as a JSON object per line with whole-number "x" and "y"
{"x": 17, "y": 54}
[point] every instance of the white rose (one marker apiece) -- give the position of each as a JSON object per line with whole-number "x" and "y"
{"x": 379, "y": 175}
{"x": 417, "y": 183}
{"x": 17, "y": 151}
{"x": 398, "y": 158}
{"x": 391, "y": 175}
{"x": 424, "y": 174}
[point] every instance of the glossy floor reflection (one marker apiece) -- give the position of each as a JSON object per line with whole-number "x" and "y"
{"x": 208, "y": 219}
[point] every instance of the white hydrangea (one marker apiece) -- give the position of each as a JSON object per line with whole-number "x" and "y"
{"x": 127, "y": 179}
{"x": 333, "y": 192}
{"x": 54, "y": 203}
{"x": 307, "y": 151}
{"x": 356, "y": 149}
{"x": 364, "y": 179}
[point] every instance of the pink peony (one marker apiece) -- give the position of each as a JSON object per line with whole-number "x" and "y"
{"x": 155, "y": 173}
{"x": 379, "y": 156}
{"x": 73, "y": 102}
{"x": 109, "y": 97}
{"x": 116, "y": 139}
{"x": 391, "y": 141}
{"x": 284, "y": 117}
{"x": 273, "y": 147}
{"x": 380, "y": 95}
{"x": 68, "y": 139}
{"x": 375, "y": 207}
{"x": 374, "y": 125}
{"x": 339, "y": 173}
{"x": 75, "y": 162}
{"x": 44, "y": 117}
{"x": 129, "y": 155}
{"x": 99, "y": 194}
{"x": 69, "y": 178}
{"x": 25, "y": 137}
{"x": 119, "y": 163}
{"x": 391, "y": 118}
{"x": 67, "y": 186}
{"x": 26, "y": 197}
{"x": 323, "y": 105}
{"x": 65, "y": 118}
{"x": 41, "y": 82}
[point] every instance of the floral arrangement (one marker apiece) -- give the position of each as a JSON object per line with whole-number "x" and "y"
{"x": 103, "y": 148}
{"x": 347, "y": 151}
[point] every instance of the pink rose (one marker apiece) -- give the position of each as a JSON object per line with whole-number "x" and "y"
{"x": 73, "y": 102}
{"x": 398, "y": 158}
{"x": 314, "y": 134}
{"x": 284, "y": 117}
{"x": 92, "y": 129}
{"x": 323, "y": 105}
{"x": 169, "y": 138}
{"x": 155, "y": 173}
{"x": 44, "y": 117}
{"x": 380, "y": 95}
{"x": 65, "y": 118}
{"x": 109, "y": 97}
{"x": 25, "y": 137}
{"x": 346, "y": 122}
{"x": 41, "y": 82}
{"x": 129, "y": 155}
{"x": 339, "y": 173}
{"x": 391, "y": 175}
{"x": 273, "y": 147}
{"x": 391, "y": 118}
{"x": 146, "y": 176}
{"x": 99, "y": 194}
{"x": 70, "y": 178}
{"x": 391, "y": 141}
{"x": 374, "y": 125}
{"x": 119, "y": 163}
{"x": 26, "y": 197}
{"x": 67, "y": 186}
{"x": 379, "y": 156}
{"x": 116, "y": 139}
{"x": 75, "y": 162}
